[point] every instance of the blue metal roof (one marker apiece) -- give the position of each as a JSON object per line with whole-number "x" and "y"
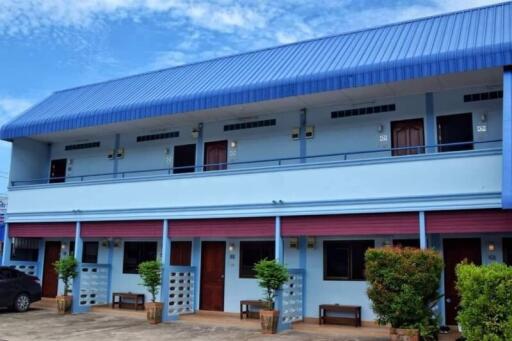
{"x": 455, "y": 42}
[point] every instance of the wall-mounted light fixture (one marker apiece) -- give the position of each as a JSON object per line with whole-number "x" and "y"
{"x": 233, "y": 144}
{"x": 311, "y": 242}
{"x": 294, "y": 243}
{"x": 380, "y": 128}
{"x": 231, "y": 247}
{"x": 117, "y": 242}
{"x": 195, "y": 133}
{"x": 491, "y": 247}
{"x": 483, "y": 118}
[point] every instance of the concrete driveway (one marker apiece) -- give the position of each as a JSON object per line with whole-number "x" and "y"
{"x": 41, "y": 324}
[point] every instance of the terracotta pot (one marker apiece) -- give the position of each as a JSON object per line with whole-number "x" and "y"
{"x": 403, "y": 334}
{"x": 64, "y": 304}
{"x": 269, "y": 319}
{"x": 154, "y": 312}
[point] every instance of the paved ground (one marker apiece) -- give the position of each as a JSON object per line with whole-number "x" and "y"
{"x": 47, "y": 325}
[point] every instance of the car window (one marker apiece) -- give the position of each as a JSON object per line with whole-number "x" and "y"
{"x": 8, "y": 273}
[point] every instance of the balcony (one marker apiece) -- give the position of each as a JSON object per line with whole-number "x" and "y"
{"x": 368, "y": 180}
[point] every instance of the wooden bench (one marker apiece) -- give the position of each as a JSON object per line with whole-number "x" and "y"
{"x": 245, "y": 306}
{"x": 128, "y": 299}
{"x": 324, "y": 309}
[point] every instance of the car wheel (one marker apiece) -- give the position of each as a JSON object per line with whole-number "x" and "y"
{"x": 21, "y": 303}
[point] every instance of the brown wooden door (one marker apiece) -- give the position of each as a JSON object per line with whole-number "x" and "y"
{"x": 216, "y": 155}
{"x": 58, "y": 170}
{"x": 407, "y": 133}
{"x": 181, "y": 253}
{"x": 213, "y": 256}
{"x": 455, "y": 251}
{"x": 50, "y": 277}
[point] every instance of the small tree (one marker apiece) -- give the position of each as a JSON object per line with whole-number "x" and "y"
{"x": 66, "y": 269}
{"x": 485, "y": 311}
{"x": 403, "y": 287}
{"x": 151, "y": 274}
{"x": 271, "y": 276}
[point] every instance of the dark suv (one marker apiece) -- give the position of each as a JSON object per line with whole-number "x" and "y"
{"x": 18, "y": 290}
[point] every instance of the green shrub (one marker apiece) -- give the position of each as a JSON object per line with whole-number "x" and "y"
{"x": 151, "y": 274}
{"x": 66, "y": 269}
{"x": 403, "y": 287}
{"x": 485, "y": 311}
{"x": 271, "y": 276}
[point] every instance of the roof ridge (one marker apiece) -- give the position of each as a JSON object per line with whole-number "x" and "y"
{"x": 367, "y": 29}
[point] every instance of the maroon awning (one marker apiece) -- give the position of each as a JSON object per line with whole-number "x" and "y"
{"x": 238, "y": 227}
{"x": 42, "y": 230}
{"x": 128, "y": 229}
{"x": 351, "y": 224}
{"x": 480, "y": 221}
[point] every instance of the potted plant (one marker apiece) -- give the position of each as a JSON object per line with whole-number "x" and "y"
{"x": 151, "y": 275}
{"x": 403, "y": 288}
{"x": 271, "y": 276}
{"x": 66, "y": 269}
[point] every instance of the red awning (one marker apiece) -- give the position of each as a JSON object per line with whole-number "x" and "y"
{"x": 42, "y": 230}
{"x": 239, "y": 227}
{"x": 469, "y": 221}
{"x": 351, "y": 224}
{"x": 106, "y": 229}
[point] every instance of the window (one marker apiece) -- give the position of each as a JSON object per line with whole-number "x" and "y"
{"x": 250, "y": 125}
{"x": 363, "y": 111}
{"x": 406, "y": 243}
{"x": 181, "y": 253}
{"x": 251, "y": 253}
{"x": 25, "y": 249}
{"x": 162, "y": 136}
{"x": 344, "y": 260}
{"x": 184, "y": 159}
{"x": 136, "y": 253}
{"x": 455, "y": 129}
{"x": 90, "y": 252}
{"x": 82, "y": 146}
{"x": 8, "y": 274}
{"x": 507, "y": 251}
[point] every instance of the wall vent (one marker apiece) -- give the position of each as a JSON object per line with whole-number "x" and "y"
{"x": 483, "y": 96}
{"x": 363, "y": 111}
{"x": 161, "y": 136}
{"x": 82, "y": 146}
{"x": 250, "y": 125}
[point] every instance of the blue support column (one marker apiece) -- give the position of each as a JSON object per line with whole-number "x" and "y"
{"x": 280, "y": 259}
{"x": 40, "y": 259}
{"x": 110, "y": 263}
{"x": 506, "y": 193}
{"x": 303, "y": 264}
{"x": 437, "y": 245}
{"x": 199, "y": 148}
{"x": 6, "y": 256}
{"x": 196, "y": 263}
{"x": 76, "y": 308}
{"x": 430, "y": 122}
{"x": 423, "y": 230}
{"x": 117, "y": 144}
{"x": 302, "y": 135}
{"x": 166, "y": 259}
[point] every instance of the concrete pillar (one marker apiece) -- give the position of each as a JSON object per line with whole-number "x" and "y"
{"x": 302, "y": 136}
{"x": 166, "y": 257}
{"x": 6, "y": 256}
{"x": 423, "y": 230}
{"x": 199, "y": 148}
{"x": 506, "y": 193}
{"x": 430, "y": 122}
{"x": 196, "y": 263}
{"x": 76, "y": 309}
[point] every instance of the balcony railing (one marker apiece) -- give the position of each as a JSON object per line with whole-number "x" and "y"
{"x": 372, "y": 154}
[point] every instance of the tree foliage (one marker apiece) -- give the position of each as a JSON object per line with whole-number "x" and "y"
{"x": 151, "y": 275}
{"x": 66, "y": 269}
{"x": 485, "y": 311}
{"x": 271, "y": 276}
{"x": 403, "y": 287}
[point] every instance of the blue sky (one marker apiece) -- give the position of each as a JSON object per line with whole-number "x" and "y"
{"x": 49, "y": 45}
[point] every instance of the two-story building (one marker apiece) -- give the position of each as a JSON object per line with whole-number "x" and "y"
{"x": 310, "y": 152}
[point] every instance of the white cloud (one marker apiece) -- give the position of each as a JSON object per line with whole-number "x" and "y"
{"x": 11, "y": 107}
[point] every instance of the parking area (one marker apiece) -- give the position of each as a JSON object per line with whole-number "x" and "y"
{"x": 39, "y": 324}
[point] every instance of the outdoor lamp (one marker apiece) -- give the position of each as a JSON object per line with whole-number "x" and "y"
{"x": 491, "y": 246}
